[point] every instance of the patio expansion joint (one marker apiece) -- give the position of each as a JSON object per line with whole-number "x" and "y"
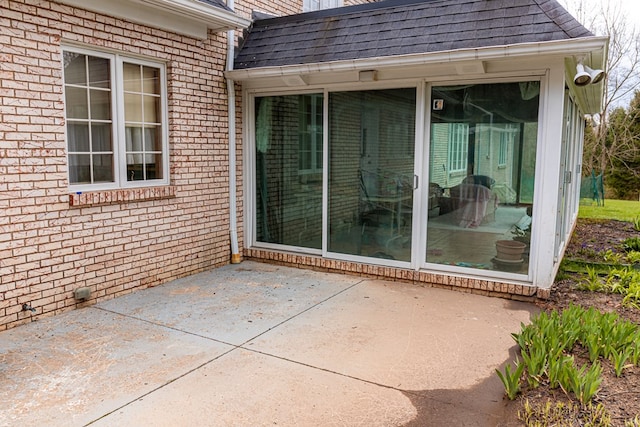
{"x": 233, "y": 348}
{"x": 318, "y": 368}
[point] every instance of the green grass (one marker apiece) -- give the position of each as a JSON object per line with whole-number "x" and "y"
{"x": 623, "y": 210}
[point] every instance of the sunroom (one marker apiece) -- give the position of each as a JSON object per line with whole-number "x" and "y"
{"x": 421, "y": 140}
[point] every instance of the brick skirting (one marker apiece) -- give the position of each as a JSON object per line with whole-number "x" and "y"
{"x": 440, "y": 280}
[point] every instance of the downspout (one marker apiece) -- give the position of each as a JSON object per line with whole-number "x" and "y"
{"x": 231, "y": 98}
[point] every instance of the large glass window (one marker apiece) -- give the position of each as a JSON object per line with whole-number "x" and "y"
{"x": 480, "y": 211}
{"x": 97, "y": 87}
{"x": 289, "y": 170}
{"x": 371, "y": 157}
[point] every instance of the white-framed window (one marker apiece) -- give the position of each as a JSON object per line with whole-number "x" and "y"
{"x": 116, "y": 120}
{"x": 311, "y": 5}
{"x": 458, "y": 147}
{"x": 310, "y": 143}
{"x": 502, "y": 151}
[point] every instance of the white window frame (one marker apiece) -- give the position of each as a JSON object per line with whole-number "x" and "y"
{"x": 315, "y": 132}
{"x": 313, "y": 5}
{"x": 458, "y": 151}
{"x": 120, "y": 181}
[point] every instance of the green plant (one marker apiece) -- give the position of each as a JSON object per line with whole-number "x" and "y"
{"x": 619, "y": 359}
{"x": 557, "y": 371}
{"x": 585, "y": 383}
{"x": 631, "y": 244}
{"x": 633, "y": 257}
{"x": 560, "y": 414}
{"x": 634, "y": 422}
{"x": 535, "y": 360}
{"x": 546, "y": 345}
{"x": 636, "y": 223}
{"x": 632, "y": 295}
{"x": 612, "y": 257}
{"x": 511, "y": 379}
{"x": 591, "y": 282}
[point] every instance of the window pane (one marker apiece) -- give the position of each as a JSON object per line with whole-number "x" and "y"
{"x": 371, "y": 153}
{"x": 151, "y": 107}
{"x": 99, "y": 72}
{"x": 131, "y": 77}
{"x": 76, "y": 103}
{"x": 152, "y": 140}
{"x": 78, "y": 136}
{"x": 289, "y": 199}
{"x": 101, "y": 137}
{"x": 79, "y": 168}
{"x": 133, "y": 138}
{"x": 100, "y": 104}
{"x": 151, "y": 80}
{"x": 135, "y": 167}
{"x": 103, "y": 168}
{"x": 153, "y": 166}
{"x": 482, "y": 162}
{"x": 75, "y": 71}
{"x": 133, "y": 108}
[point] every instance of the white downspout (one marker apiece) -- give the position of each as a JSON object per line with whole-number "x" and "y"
{"x": 231, "y": 98}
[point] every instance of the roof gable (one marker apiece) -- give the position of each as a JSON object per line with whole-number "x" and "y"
{"x": 402, "y": 27}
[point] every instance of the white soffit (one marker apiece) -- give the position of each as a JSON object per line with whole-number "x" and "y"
{"x": 188, "y": 17}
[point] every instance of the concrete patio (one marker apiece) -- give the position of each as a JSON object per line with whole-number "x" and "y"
{"x": 257, "y": 344}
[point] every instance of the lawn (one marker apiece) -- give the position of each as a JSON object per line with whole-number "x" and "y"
{"x": 622, "y": 210}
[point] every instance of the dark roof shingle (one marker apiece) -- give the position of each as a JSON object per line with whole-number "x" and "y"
{"x": 395, "y": 27}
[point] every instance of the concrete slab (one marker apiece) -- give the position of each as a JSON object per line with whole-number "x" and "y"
{"x": 234, "y": 303}
{"x": 257, "y": 344}
{"x": 244, "y": 388}
{"x": 402, "y": 336}
{"x": 70, "y": 369}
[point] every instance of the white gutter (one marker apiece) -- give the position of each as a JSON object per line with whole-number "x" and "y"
{"x": 561, "y": 47}
{"x": 231, "y": 113}
{"x": 199, "y": 10}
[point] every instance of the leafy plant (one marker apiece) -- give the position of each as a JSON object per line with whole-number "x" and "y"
{"x": 612, "y": 257}
{"x": 631, "y": 244}
{"x": 560, "y": 414}
{"x": 634, "y": 422}
{"x": 633, "y": 257}
{"x": 636, "y": 223}
{"x": 546, "y": 343}
{"x": 619, "y": 359}
{"x": 592, "y": 281}
{"x": 511, "y": 379}
{"x": 584, "y": 383}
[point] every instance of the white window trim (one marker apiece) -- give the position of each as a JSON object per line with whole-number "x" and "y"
{"x": 313, "y": 5}
{"x": 458, "y": 147}
{"x": 117, "y": 114}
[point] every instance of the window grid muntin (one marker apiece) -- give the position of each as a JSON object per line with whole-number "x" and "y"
{"x": 89, "y": 120}
{"x": 458, "y": 147}
{"x": 118, "y": 155}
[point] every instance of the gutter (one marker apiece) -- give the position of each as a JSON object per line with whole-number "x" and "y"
{"x": 231, "y": 116}
{"x": 581, "y": 46}
{"x": 202, "y": 11}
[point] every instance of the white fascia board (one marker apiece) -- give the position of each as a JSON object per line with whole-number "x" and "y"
{"x": 562, "y": 47}
{"x": 188, "y": 17}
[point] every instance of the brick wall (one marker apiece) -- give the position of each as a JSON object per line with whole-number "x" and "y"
{"x": 114, "y": 241}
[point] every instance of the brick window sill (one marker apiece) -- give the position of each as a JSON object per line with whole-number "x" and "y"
{"x": 111, "y": 197}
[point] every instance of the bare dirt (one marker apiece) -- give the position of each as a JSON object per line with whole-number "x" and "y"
{"x": 620, "y": 396}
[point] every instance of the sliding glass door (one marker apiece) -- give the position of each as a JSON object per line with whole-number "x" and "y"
{"x": 356, "y": 151}
{"x": 289, "y": 170}
{"x": 371, "y": 158}
{"x": 481, "y": 175}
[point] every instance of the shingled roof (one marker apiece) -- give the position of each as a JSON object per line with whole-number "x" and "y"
{"x": 401, "y": 27}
